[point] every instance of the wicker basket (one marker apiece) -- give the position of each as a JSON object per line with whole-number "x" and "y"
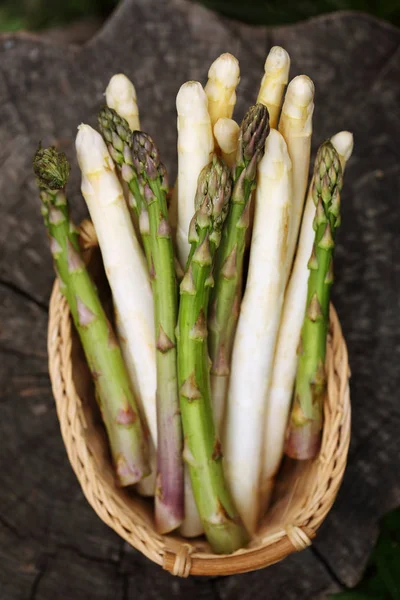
{"x": 304, "y": 492}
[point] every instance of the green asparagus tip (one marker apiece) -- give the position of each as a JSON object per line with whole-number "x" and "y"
{"x": 254, "y": 131}
{"x": 327, "y": 171}
{"x": 111, "y": 123}
{"x": 213, "y": 193}
{"x": 51, "y": 168}
{"x": 146, "y": 159}
{"x": 117, "y": 134}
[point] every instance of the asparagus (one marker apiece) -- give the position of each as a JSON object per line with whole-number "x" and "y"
{"x": 223, "y": 78}
{"x": 118, "y": 136}
{"x": 138, "y": 159}
{"x": 305, "y": 424}
{"x": 285, "y": 359}
{"x": 169, "y": 487}
{"x": 257, "y": 328}
{"x": 121, "y": 96}
{"x": 124, "y": 264}
{"x": 225, "y": 296}
{"x": 113, "y": 389}
{"x": 273, "y": 83}
{"x": 295, "y": 125}
{"x": 202, "y": 449}
{"x": 195, "y": 148}
{"x": 226, "y": 134}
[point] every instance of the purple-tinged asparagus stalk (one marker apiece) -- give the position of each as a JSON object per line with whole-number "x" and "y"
{"x": 113, "y": 389}
{"x": 305, "y": 425}
{"x": 151, "y": 195}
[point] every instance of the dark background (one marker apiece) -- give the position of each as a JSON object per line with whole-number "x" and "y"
{"x": 39, "y": 14}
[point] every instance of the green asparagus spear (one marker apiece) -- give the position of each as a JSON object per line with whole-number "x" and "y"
{"x": 138, "y": 159}
{"x": 202, "y": 449}
{"x": 118, "y": 136}
{"x": 305, "y": 425}
{"x": 225, "y": 296}
{"x": 113, "y": 390}
{"x": 153, "y": 180}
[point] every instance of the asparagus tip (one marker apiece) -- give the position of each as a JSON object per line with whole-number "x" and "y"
{"x": 343, "y": 142}
{"x": 300, "y": 92}
{"x": 51, "y": 168}
{"x": 225, "y": 69}
{"x": 120, "y": 88}
{"x": 277, "y": 60}
{"x": 192, "y": 101}
{"x": 254, "y": 131}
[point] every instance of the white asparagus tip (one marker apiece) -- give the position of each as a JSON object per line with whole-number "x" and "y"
{"x": 92, "y": 151}
{"x": 119, "y": 89}
{"x": 300, "y": 93}
{"x": 226, "y": 132}
{"x": 344, "y": 144}
{"x": 192, "y": 101}
{"x": 225, "y": 69}
{"x": 276, "y": 158}
{"x": 277, "y": 63}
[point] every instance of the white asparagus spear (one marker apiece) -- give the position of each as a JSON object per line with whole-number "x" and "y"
{"x": 257, "y": 328}
{"x": 124, "y": 264}
{"x": 223, "y": 78}
{"x": 147, "y": 486}
{"x": 121, "y": 96}
{"x": 295, "y": 125}
{"x": 221, "y": 95}
{"x": 285, "y": 360}
{"x": 226, "y": 134}
{"x": 276, "y": 76}
{"x": 343, "y": 143}
{"x": 195, "y": 147}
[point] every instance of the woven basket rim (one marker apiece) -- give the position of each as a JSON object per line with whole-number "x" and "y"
{"x": 118, "y": 511}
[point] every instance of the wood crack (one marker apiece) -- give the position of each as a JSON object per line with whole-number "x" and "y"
{"x": 327, "y": 567}
{"x": 59, "y": 546}
{"x": 89, "y": 557}
{"x": 25, "y": 295}
{"x": 42, "y": 570}
{"x": 10, "y": 528}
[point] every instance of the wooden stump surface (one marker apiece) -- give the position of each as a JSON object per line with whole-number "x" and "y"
{"x": 52, "y": 545}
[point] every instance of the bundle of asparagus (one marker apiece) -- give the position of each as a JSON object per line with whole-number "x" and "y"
{"x": 211, "y": 379}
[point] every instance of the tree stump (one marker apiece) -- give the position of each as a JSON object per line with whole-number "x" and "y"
{"x": 52, "y": 545}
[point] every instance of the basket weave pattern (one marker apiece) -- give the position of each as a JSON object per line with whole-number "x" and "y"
{"x": 307, "y": 491}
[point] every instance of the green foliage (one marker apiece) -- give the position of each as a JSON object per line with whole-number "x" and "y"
{"x": 381, "y": 580}
{"x": 40, "y": 14}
